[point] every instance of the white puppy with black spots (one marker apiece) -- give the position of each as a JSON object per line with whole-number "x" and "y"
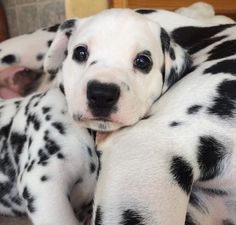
{"x": 49, "y": 165}
{"x": 176, "y": 165}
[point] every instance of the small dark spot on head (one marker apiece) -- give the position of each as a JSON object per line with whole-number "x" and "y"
{"x": 193, "y": 109}
{"x": 39, "y": 57}
{"x": 44, "y": 178}
{"x": 174, "y": 124}
{"x": 60, "y": 156}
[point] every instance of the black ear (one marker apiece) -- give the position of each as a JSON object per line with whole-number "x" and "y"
{"x": 58, "y": 49}
{"x": 177, "y": 62}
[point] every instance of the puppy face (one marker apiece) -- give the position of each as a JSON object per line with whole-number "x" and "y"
{"x": 113, "y": 68}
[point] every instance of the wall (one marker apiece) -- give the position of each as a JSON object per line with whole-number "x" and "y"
{"x": 25, "y": 16}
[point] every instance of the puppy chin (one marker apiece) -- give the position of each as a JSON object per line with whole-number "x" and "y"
{"x": 99, "y": 125}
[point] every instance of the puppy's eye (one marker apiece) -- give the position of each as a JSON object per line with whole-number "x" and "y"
{"x": 143, "y": 62}
{"x": 81, "y": 53}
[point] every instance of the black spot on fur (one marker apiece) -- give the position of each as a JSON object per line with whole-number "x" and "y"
{"x": 68, "y": 33}
{"x": 189, "y": 220}
{"x": 224, "y": 104}
{"x": 89, "y": 151}
{"x": 194, "y": 109}
{"x": 99, "y": 215}
{"x": 92, "y": 167}
{"x": 48, "y": 117}
{"x": 68, "y": 24}
{"x": 45, "y": 110}
{"x": 145, "y": 11}
{"x": 33, "y": 119}
{"x": 30, "y": 166}
{"x": 17, "y": 141}
{"x": 39, "y": 57}
{"x": 182, "y": 173}
{"x": 60, "y": 156}
{"x": 174, "y": 124}
{"x": 225, "y": 66}
{"x": 223, "y": 50}
{"x": 61, "y": 87}
{"x": 131, "y": 217}
{"x": 9, "y": 59}
{"x": 49, "y": 43}
{"x": 44, "y": 178}
{"x": 99, "y": 154}
{"x": 5, "y": 203}
{"x": 53, "y": 73}
{"x": 204, "y": 43}
{"x": 172, "y": 54}
{"x": 165, "y": 40}
{"x": 60, "y": 127}
{"x": 189, "y": 36}
{"x": 29, "y": 198}
{"x": 53, "y": 28}
{"x": 42, "y": 156}
{"x": 211, "y": 154}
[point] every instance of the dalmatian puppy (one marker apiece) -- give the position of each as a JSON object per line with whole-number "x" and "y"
{"x": 177, "y": 164}
{"x": 48, "y": 163}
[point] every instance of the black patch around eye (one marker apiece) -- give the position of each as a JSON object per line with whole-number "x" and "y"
{"x": 80, "y": 54}
{"x": 143, "y": 62}
{"x": 9, "y": 59}
{"x": 146, "y": 11}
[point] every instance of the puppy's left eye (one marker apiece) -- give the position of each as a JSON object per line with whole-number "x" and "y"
{"x": 81, "y": 53}
{"x": 143, "y": 62}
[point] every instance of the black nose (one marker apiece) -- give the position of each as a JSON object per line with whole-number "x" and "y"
{"x": 102, "y": 97}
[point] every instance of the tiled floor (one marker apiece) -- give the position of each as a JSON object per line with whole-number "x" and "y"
{"x": 28, "y": 15}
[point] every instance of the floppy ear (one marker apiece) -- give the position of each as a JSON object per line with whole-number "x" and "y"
{"x": 58, "y": 49}
{"x": 177, "y": 62}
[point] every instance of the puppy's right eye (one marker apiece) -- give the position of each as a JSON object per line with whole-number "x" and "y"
{"x": 81, "y": 53}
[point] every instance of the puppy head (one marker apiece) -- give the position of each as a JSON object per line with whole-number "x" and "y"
{"x": 112, "y": 67}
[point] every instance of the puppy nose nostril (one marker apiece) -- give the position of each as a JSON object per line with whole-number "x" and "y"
{"x": 102, "y": 95}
